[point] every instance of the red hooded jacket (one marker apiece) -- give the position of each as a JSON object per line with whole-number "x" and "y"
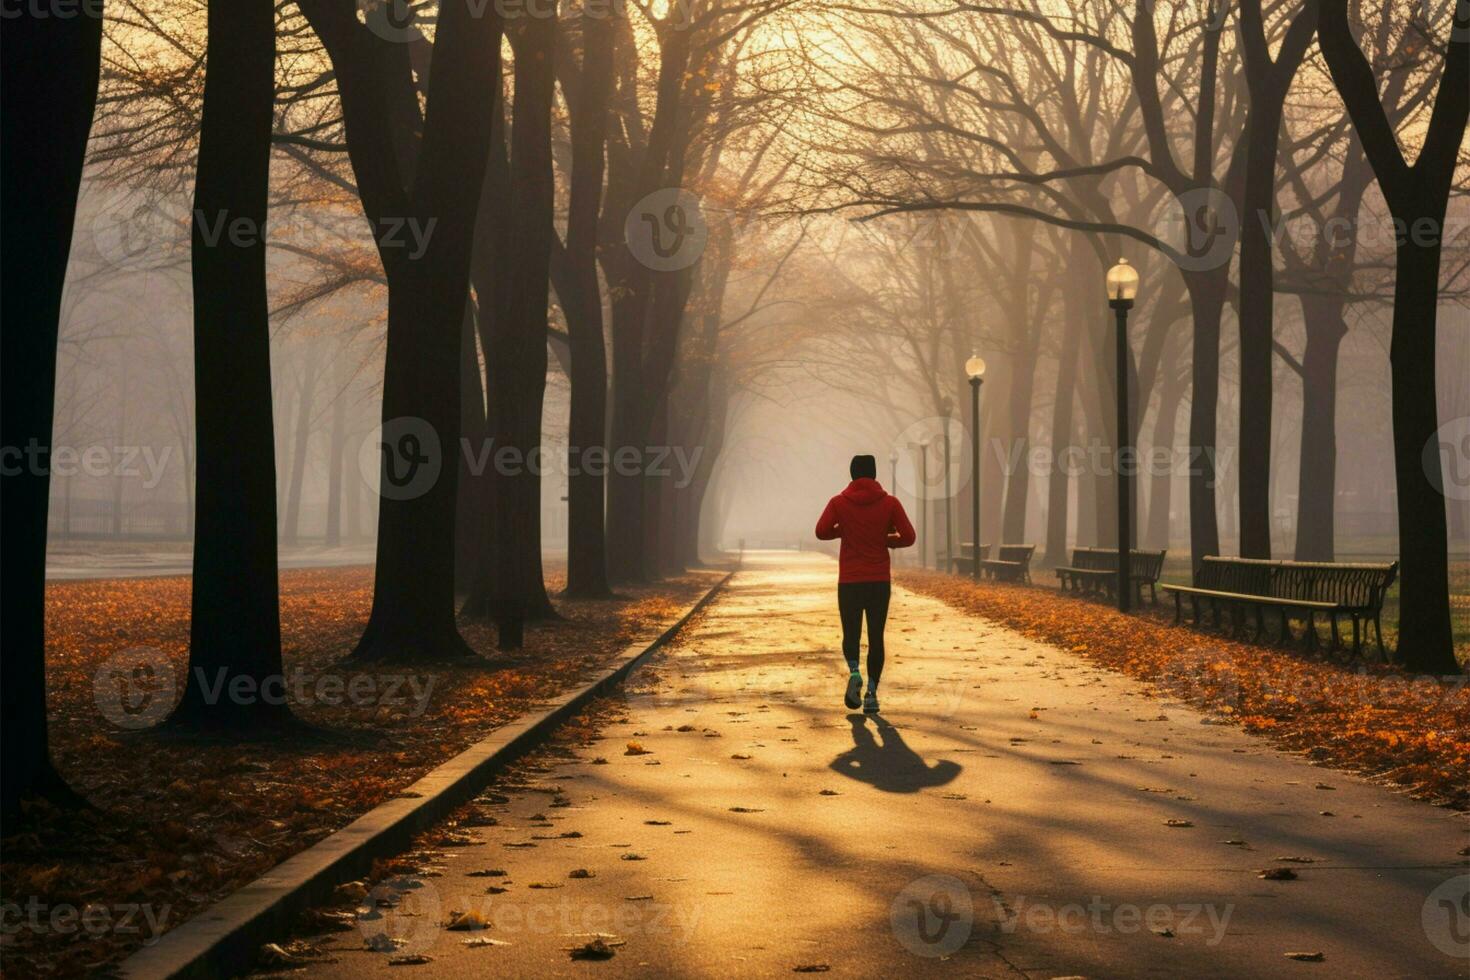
{"x": 869, "y": 521}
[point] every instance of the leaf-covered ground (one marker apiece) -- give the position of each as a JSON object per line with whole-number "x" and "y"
{"x": 1412, "y": 732}
{"x": 181, "y": 822}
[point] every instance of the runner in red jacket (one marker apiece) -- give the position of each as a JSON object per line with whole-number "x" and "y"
{"x": 869, "y": 521}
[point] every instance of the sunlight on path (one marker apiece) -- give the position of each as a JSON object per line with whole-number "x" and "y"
{"x": 1015, "y": 812}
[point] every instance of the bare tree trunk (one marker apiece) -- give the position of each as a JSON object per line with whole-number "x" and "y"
{"x": 587, "y": 426}
{"x": 413, "y": 595}
{"x": 354, "y": 489}
{"x": 516, "y": 385}
{"x": 642, "y": 329}
{"x": 121, "y": 440}
{"x": 1426, "y": 636}
{"x": 235, "y": 632}
{"x": 1018, "y": 484}
{"x": 1317, "y": 477}
{"x": 335, "y": 446}
{"x": 656, "y": 502}
{"x": 710, "y": 444}
{"x": 50, "y": 67}
{"x": 1087, "y": 529}
{"x": 492, "y": 291}
{"x": 1058, "y": 493}
{"x": 1161, "y": 480}
{"x": 469, "y": 516}
{"x": 625, "y": 483}
{"x": 1417, "y": 197}
{"x": 305, "y": 403}
{"x": 1207, "y": 300}
{"x": 1267, "y": 81}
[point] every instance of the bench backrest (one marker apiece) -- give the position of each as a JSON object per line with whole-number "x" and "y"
{"x": 1248, "y": 576}
{"x": 1354, "y": 585}
{"x": 1095, "y": 559}
{"x": 1017, "y": 552}
{"x": 1357, "y": 586}
{"x": 967, "y": 550}
{"x": 1146, "y": 565}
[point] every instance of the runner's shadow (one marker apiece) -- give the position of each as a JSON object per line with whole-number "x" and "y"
{"x": 889, "y": 765}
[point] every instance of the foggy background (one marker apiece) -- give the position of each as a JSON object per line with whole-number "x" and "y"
{"x": 823, "y": 378}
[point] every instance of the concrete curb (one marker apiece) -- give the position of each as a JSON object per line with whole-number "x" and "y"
{"x": 222, "y": 940}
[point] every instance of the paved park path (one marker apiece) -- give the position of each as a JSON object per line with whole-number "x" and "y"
{"x": 1006, "y": 817}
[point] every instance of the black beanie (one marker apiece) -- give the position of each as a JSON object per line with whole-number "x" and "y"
{"x": 863, "y": 466}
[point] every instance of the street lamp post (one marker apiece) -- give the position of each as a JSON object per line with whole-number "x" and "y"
{"x": 924, "y": 502}
{"x": 946, "y": 406}
{"x": 1122, "y": 284}
{"x": 975, "y": 368}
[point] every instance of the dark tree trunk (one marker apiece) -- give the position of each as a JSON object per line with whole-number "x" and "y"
{"x": 1317, "y": 477}
{"x": 50, "y": 67}
{"x": 469, "y": 515}
{"x": 1322, "y": 317}
{"x": 1256, "y": 352}
{"x": 1426, "y": 634}
{"x": 492, "y": 291}
{"x": 587, "y": 428}
{"x": 676, "y": 503}
{"x": 710, "y": 441}
{"x": 642, "y": 332}
{"x": 688, "y": 426}
{"x": 1267, "y": 81}
{"x": 516, "y": 384}
{"x": 670, "y": 298}
{"x": 656, "y": 501}
{"x": 1417, "y": 197}
{"x": 235, "y": 630}
{"x": 639, "y": 405}
{"x": 1207, "y": 301}
{"x": 413, "y": 596}
{"x": 625, "y": 483}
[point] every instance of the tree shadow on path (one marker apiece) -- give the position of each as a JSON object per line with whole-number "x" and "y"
{"x": 889, "y": 764}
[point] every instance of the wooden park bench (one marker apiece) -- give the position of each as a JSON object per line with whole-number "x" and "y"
{"x": 1237, "y": 586}
{"x": 1095, "y": 570}
{"x": 964, "y": 562}
{"x": 1013, "y": 563}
